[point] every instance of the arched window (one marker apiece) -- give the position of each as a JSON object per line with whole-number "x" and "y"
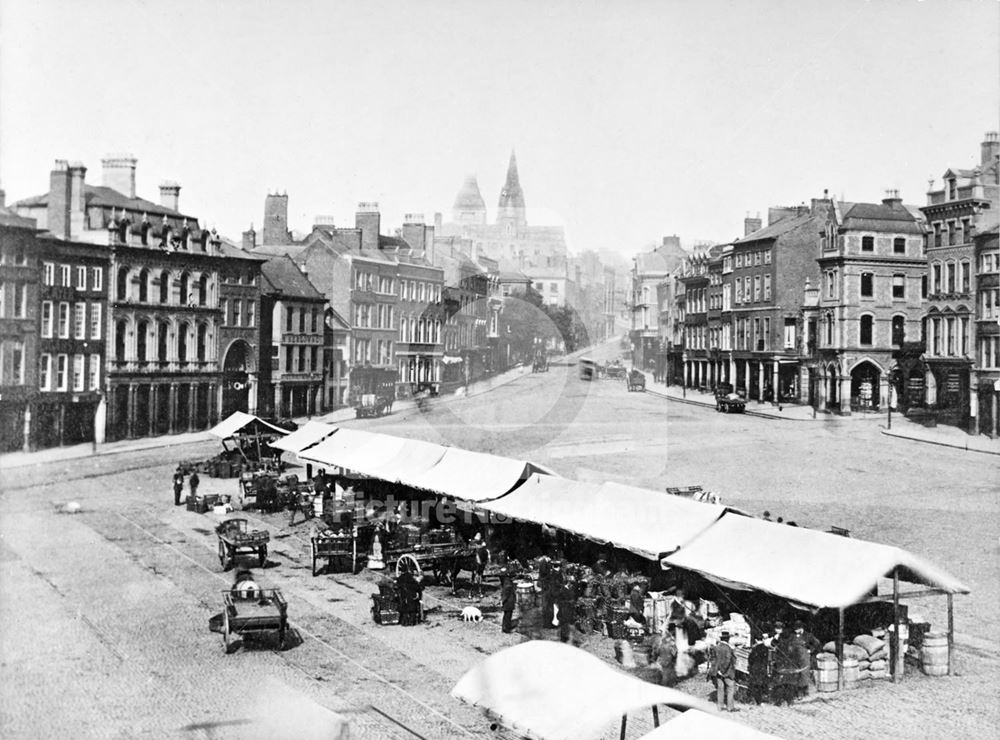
{"x": 866, "y": 330}
{"x": 202, "y": 341}
{"x": 164, "y": 287}
{"x": 203, "y": 290}
{"x": 141, "y": 336}
{"x": 185, "y": 298}
{"x": 949, "y": 277}
{"x": 121, "y": 331}
{"x": 143, "y": 285}
{"x": 829, "y": 330}
{"x": 162, "y": 334}
{"x": 121, "y": 288}
{"x": 182, "y": 342}
{"x": 898, "y": 330}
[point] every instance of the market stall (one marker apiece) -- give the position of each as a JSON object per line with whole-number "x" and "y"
{"x": 246, "y": 443}
{"x": 814, "y": 570}
{"x": 525, "y": 688}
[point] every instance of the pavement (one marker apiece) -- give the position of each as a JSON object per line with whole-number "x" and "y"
{"x": 901, "y": 427}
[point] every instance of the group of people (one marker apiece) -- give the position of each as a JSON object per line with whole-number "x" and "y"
{"x": 193, "y": 482}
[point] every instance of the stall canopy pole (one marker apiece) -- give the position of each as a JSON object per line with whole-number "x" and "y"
{"x": 624, "y": 722}
{"x": 894, "y": 644}
{"x": 656, "y": 716}
{"x": 840, "y": 648}
{"x": 951, "y": 629}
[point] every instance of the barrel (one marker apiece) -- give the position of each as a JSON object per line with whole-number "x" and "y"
{"x": 525, "y": 593}
{"x": 852, "y": 673}
{"x": 934, "y": 654}
{"x": 826, "y": 677}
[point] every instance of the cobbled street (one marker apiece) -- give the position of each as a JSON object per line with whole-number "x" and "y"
{"x": 106, "y": 611}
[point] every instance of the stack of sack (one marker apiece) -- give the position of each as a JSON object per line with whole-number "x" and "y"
{"x": 876, "y": 662}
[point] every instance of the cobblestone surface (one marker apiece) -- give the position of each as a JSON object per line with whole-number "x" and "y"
{"x": 106, "y": 612}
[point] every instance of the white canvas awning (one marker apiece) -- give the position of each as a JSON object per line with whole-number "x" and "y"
{"x": 239, "y": 421}
{"x": 471, "y": 476}
{"x": 704, "y": 726}
{"x": 805, "y": 566}
{"x": 367, "y": 458}
{"x": 310, "y": 433}
{"x": 334, "y": 450}
{"x": 413, "y": 459}
{"x": 648, "y": 523}
{"x": 551, "y": 691}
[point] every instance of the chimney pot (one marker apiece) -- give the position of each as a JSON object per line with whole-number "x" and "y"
{"x": 119, "y": 173}
{"x": 170, "y": 195}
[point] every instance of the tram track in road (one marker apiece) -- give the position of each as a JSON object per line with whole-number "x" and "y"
{"x": 318, "y": 639}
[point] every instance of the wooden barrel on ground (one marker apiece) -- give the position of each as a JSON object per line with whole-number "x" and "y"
{"x": 852, "y": 673}
{"x": 826, "y": 673}
{"x": 934, "y": 654}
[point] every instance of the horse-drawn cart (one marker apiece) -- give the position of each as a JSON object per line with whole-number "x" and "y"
{"x": 444, "y": 561}
{"x": 336, "y": 548}
{"x": 235, "y": 540}
{"x": 636, "y": 381}
{"x": 262, "y": 610}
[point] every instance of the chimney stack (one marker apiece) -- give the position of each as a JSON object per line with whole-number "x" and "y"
{"x": 751, "y": 225}
{"x": 990, "y": 147}
{"x": 276, "y": 219}
{"x": 119, "y": 173}
{"x": 77, "y": 198}
{"x": 892, "y": 198}
{"x": 368, "y": 221}
{"x": 60, "y": 199}
{"x": 170, "y": 194}
{"x": 249, "y": 239}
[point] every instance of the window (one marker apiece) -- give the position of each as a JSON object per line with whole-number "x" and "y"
{"x": 288, "y": 359}
{"x": 936, "y": 335}
{"x": 868, "y": 244}
{"x": 865, "y": 335}
{"x": 81, "y": 278}
{"x": 185, "y": 292}
{"x": 898, "y": 330}
{"x": 950, "y": 335}
{"x": 756, "y": 287}
{"x": 302, "y": 321}
{"x": 302, "y": 359}
{"x": 989, "y": 351}
{"x": 767, "y": 285}
{"x": 899, "y": 245}
{"x": 45, "y": 372}
{"x": 899, "y": 286}
{"x": 831, "y": 284}
{"x": 553, "y": 287}
{"x": 78, "y": 378}
{"x": 936, "y": 272}
{"x": 64, "y": 320}
{"x": 990, "y": 304}
{"x": 867, "y": 284}
{"x": 96, "y": 278}
{"x": 290, "y": 319}
{"x": 829, "y": 330}
{"x": 202, "y": 342}
{"x": 756, "y": 258}
{"x": 121, "y": 286}
{"x": 949, "y": 273}
{"x": 937, "y": 234}
{"x": 315, "y": 321}
{"x": 162, "y": 339}
{"x": 789, "y": 333}
{"x": 182, "y": 342}
{"x": 94, "y": 367}
{"x": 49, "y": 277}
{"x": 767, "y": 257}
{"x": 80, "y": 321}
{"x": 237, "y": 312}
{"x": 61, "y": 369}
{"x": 739, "y": 260}
{"x": 164, "y": 287}
{"x": 64, "y": 276}
{"x": 46, "y": 319}
{"x": 121, "y": 330}
{"x": 964, "y": 273}
{"x": 203, "y": 290}
{"x": 963, "y": 329}
{"x": 923, "y": 286}
{"x": 251, "y": 313}
{"x": 20, "y": 301}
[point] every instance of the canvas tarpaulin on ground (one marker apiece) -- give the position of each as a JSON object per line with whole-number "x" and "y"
{"x": 647, "y": 523}
{"x": 704, "y": 726}
{"x": 804, "y": 566}
{"x": 551, "y": 691}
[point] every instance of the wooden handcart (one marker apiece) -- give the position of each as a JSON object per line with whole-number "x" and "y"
{"x": 339, "y": 547}
{"x": 444, "y": 561}
{"x": 236, "y": 539}
{"x": 263, "y": 610}
{"x": 636, "y": 381}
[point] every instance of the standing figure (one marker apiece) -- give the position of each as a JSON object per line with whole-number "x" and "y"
{"x": 804, "y": 646}
{"x": 667, "y": 657}
{"x": 567, "y": 609}
{"x": 193, "y": 481}
{"x": 786, "y": 667}
{"x": 178, "y": 486}
{"x": 636, "y": 604}
{"x": 758, "y": 666}
{"x": 544, "y": 583}
{"x": 508, "y": 598}
{"x": 482, "y": 559}
{"x": 723, "y": 669}
{"x": 409, "y": 599}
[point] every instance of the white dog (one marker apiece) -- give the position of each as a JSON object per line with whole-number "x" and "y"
{"x": 472, "y": 614}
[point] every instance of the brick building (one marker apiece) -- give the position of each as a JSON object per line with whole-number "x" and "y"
{"x": 986, "y": 369}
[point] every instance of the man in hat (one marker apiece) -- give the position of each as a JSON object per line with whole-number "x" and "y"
{"x": 791, "y": 665}
{"x": 508, "y": 599}
{"x": 566, "y": 597}
{"x": 636, "y": 604}
{"x": 758, "y": 668}
{"x": 482, "y": 558}
{"x": 178, "y": 486}
{"x": 722, "y": 663}
{"x": 806, "y": 646}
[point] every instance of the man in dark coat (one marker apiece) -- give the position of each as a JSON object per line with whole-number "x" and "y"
{"x": 758, "y": 666}
{"x": 722, "y": 663}
{"x": 508, "y": 598}
{"x": 567, "y": 610}
{"x": 791, "y": 665}
{"x": 193, "y": 481}
{"x": 409, "y": 599}
{"x": 178, "y": 486}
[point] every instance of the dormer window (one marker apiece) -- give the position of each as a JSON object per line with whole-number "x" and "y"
{"x": 952, "y": 189}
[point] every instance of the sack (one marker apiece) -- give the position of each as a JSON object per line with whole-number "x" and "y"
{"x": 869, "y": 643}
{"x": 878, "y": 666}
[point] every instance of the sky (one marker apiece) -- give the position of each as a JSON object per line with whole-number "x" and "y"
{"x": 631, "y": 119}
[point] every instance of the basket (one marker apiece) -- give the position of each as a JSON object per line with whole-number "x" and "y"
{"x": 616, "y": 630}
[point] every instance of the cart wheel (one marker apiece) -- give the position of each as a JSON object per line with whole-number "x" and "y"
{"x": 407, "y": 564}
{"x": 262, "y": 555}
{"x": 223, "y": 556}
{"x": 225, "y": 628}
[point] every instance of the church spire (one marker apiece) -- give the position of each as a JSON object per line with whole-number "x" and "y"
{"x": 511, "y": 205}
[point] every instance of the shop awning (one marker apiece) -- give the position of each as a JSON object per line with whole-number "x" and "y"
{"x": 310, "y": 433}
{"x": 805, "y": 566}
{"x": 414, "y": 459}
{"x": 239, "y": 422}
{"x": 648, "y": 523}
{"x": 551, "y": 691}
{"x": 334, "y": 450}
{"x": 704, "y": 726}
{"x": 368, "y": 457}
{"x": 471, "y": 476}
